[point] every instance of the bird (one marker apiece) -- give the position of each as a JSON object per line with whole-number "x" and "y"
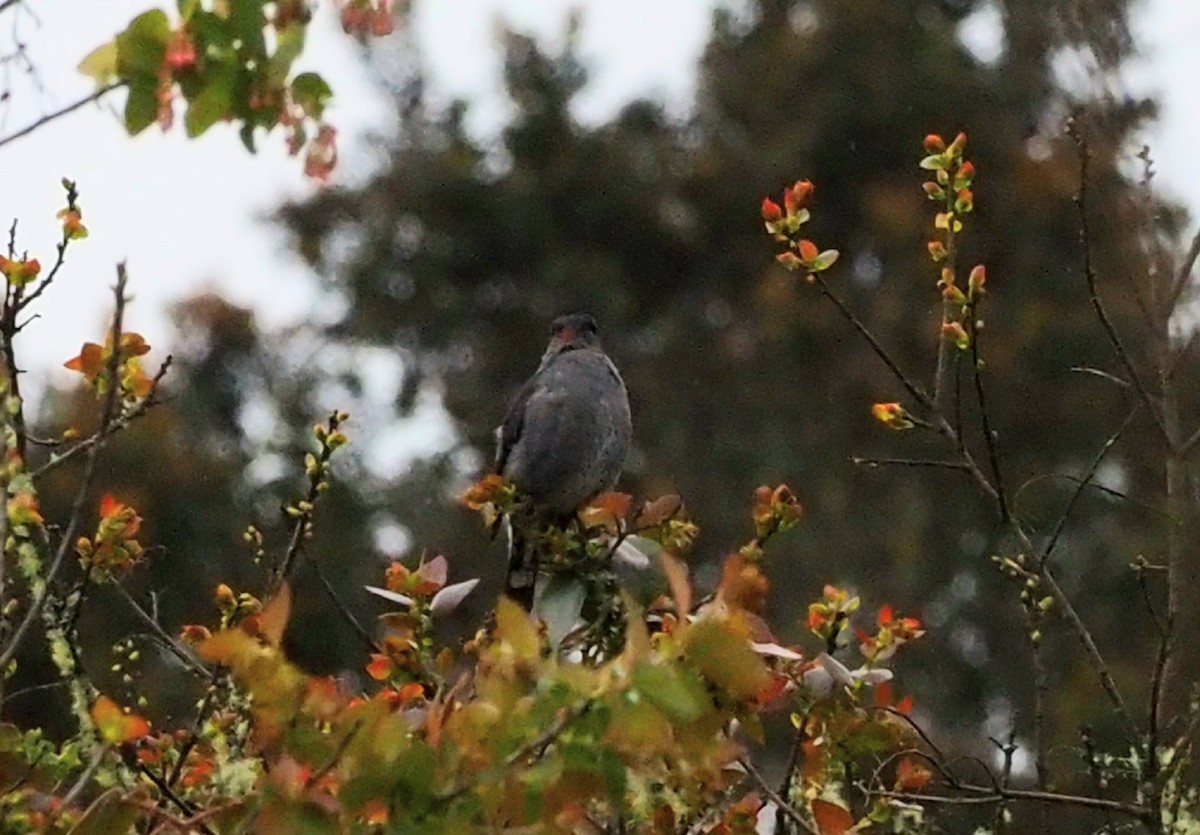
{"x": 563, "y": 440}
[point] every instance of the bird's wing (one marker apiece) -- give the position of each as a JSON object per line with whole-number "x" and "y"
{"x": 509, "y": 431}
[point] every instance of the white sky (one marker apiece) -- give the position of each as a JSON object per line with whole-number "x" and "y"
{"x": 186, "y": 215}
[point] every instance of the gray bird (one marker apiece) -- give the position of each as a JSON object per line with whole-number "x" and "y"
{"x": 563, "y": 440}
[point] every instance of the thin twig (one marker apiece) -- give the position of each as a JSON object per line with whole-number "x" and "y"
{"x": 86, "y": 777}
{"x": 915, "y": 390}
{"x": 67, "y": 542}
{"x": 62, "y": 111}
{"x": 908, "y": 462}
{"x": 169, "y": 642}
{"x": 1088, "y": 475}
{"x": 982, "y": 795}
{"x": 989, "y": 436}
{"x": 118, "y": 424}
{"x": 787, "y": 808}
{"x": 535, "y": 746}
{"x": 1089, "y": 272}
{"x": 344, "y": 610}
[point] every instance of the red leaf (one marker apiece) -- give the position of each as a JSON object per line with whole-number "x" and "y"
{"x": 911, "y": 775}
{"x": 831, "y": 819}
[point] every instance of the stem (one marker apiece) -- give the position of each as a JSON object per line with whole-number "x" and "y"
{"x": 62, "y": 111}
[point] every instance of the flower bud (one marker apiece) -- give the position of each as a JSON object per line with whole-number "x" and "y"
{"x": 934, "y": 144}
{"x": 770, "y": 210}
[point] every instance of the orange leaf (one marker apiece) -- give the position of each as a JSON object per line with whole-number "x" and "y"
{"x": 677, "y": 580}
{"x": 273, "y": 619}
{"x": 483, "y": 491}
{"x": 911, "y": 775}
{"x": 90, "y": 361}
{"x": 109, "y": 506}
{"x": 831, "y": 819}
{"x": 658, "y": 511}
{"x": 115, "y": 726}
{"x": 380, "y": 667}
{"x": 606, "y": 510}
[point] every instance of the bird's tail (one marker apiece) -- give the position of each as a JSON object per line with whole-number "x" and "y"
{"x": 521, "y": 579}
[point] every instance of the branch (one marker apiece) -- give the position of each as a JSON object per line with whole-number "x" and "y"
{"x": 781, "y": 804}
{"x": 982, "y": 795}
{"x": 118, "y": 424}
{"x": 915, "y": 390}
{"x": 1089, "y": 272}
{"x": 62, "y": 111}
{"x": 875, "y": 463}
{"x": 66, "y": 543}
{"x": 169, "y": 642}
{"x": 1088, "y": 475}
{"x": 86, "y": 777}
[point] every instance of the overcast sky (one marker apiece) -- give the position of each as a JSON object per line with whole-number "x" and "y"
{"x": 187, "y": 215}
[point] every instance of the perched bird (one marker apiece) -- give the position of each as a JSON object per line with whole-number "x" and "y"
{"x": 563, "y": 440}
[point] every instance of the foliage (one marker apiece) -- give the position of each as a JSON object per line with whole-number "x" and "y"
{"x": 232, "y": 61}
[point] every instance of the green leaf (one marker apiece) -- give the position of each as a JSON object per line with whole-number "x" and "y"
{"x": 187, "y": 8}
{"x": 141, "y": 107}
{"x": 311, "y": 92}
{"x": 677, "y": 692}
{"x": 824, "y": 261}
{"x": 100, "y": 64}
{"x": 247, "y": 136}
{"x": 726, "y": 659}
{"x": 213, "y": 102}
{"x": 141, "y": 47}
{"x": 934, "y": 162}
{"x": 246, "y": 20}
{"x": 289, "y": 43}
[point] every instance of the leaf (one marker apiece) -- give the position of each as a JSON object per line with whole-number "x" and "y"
{"x": 109, "y": 814}
{"x": 273, "y": 619}
{"x": 726, "y": 659}
{"x": 933, "y": 162}
{"x": 289, "y": 43}
{"x": 658, "y": 511}
{"x": 676, "y": 571}
{"x": 402, "y": 599}
{"x": 100, "y": 64}
{"x": 607, "y": 509}
{"x": 559, "y": 603}
{"x": 431, "y": 575}
{"x": 824, "y": 261}
{"x": 117, "y": 727}
{"x": 142, "y": 46}
{"x": 911, "y": 775}
{"x": 448, "y": 599}
{"x": 141, "y": 105}
{"x": 312, "y": 93}
{"x": 776, "y": 651}
{"x": 213, "y": 102}
{"x": 515, "y": 627}
{"x": 830, "y": 818}
{"x": 676, "y": 691}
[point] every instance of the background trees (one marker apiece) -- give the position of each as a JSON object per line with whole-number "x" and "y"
{"x": 456, "y": 254}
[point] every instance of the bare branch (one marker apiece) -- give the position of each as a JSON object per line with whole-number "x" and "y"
{"x": 1089, "y": 272}
{"x": 774, "y": 797}
{"x": 67, "y": 541}
{"x": 62, "y": 111}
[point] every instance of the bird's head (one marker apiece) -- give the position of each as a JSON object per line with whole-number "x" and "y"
{"x": 575, "y": 330}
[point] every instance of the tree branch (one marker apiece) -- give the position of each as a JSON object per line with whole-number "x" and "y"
{"x": 62, "y": 111}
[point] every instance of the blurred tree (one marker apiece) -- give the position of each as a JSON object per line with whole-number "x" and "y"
{"x": 458, "y": 252}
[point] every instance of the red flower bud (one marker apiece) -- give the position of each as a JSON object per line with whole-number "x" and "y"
{"x": 770, "y": 210}
{"x": 966, "y": 171}
{"x": 808, "y": 251}
{"x": 934, "y": 144}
